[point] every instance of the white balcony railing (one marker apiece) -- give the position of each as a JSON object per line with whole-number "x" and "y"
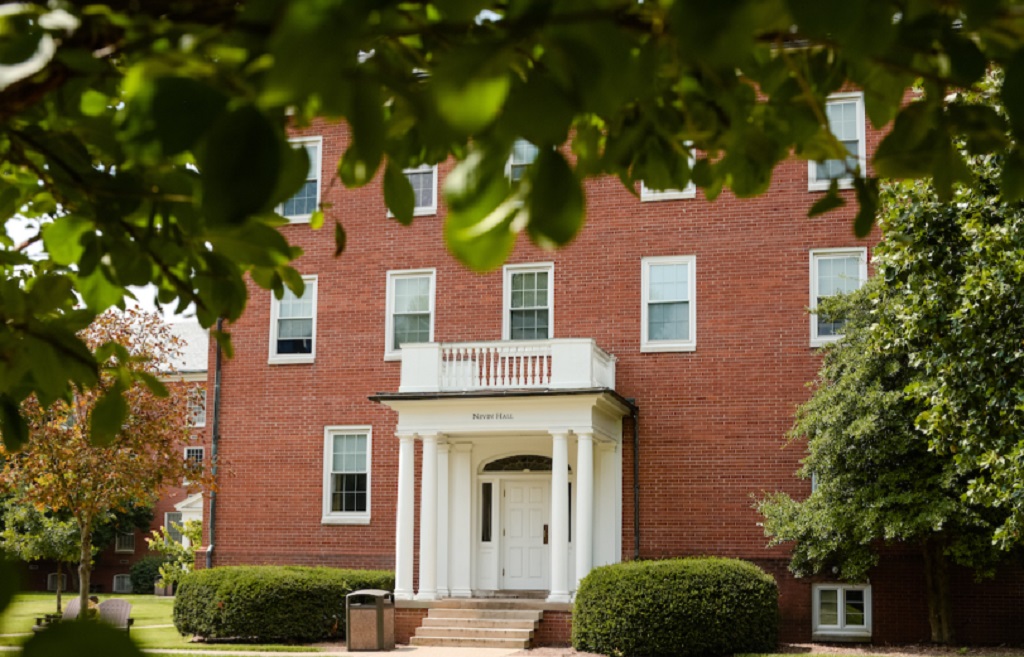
{"x": 507, "y": 365}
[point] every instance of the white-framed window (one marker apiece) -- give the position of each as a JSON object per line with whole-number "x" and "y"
{"x": 834, "y": 271}
{"x": 410, "y": 304}
{"x": 197, "y": 407}
{"x": 523, "y": 155}
{"x": 52, "y": 579}
{"x": 305, "y": 202}
{"x": 648, "y": 194}
{"x": 347, "y": 475}
{"x": 846, "y": 121}
{"x": 841, "y": 611}
{"x": 528, "y": 301}
{"x": 293, "y": 325}
{"x": 170, "y": 519}
{"x": 122, "y": 583}
{"x": 424, "y": 188}
{"x": 124, "y": 542}
{"x": 668, "y": 320}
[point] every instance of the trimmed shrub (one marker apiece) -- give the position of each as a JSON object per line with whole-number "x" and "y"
{"x": 270, "y": 603}
{"x": 678, "y": 607}
{"x": 145, "y": 572}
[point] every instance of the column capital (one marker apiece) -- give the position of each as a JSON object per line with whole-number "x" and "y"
{"x": 404, "y": 435}
{"x": 460, "y": 447}
{"x": 559, "y": 433}
{"x": 430, "y": 435}
{"x": 586, "y": 434}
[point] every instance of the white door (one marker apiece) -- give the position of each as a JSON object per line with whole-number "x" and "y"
{"x": 526, "y": 506}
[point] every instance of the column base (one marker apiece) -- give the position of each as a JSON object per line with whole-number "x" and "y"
{"x": 403, "y": 595}
{"x": 559, "y": 596}
{"x": 426, "y": 595}
{"x": 462, "y": 593}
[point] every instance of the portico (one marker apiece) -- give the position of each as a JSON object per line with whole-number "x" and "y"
{"x": 519, "y": 488}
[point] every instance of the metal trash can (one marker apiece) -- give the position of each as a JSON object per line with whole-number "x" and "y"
{"x": 370, "y": 620}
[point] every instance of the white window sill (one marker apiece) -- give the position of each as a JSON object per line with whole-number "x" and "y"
{"x": 346, "y": 520}
{"x": 291, "y": 360}
{"x": 842, "y": 636}
{"x": 656, "y": 348}
{"x": 654, "y": 197}
{"x": 298, "y": 218}
{"x": 418, "y": 212}
{"x": 821, "y": 342}
{"x": 124, "y": 551}
{"x": 823, "y": 185}
{"x": 392, "y": 355}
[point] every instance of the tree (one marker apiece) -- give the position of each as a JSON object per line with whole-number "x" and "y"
{"x": 146, "y": 142}
{"x": 65, "y": 471}
{"x": 30, "y": 535}
{"x": 180, "y": 554}
{"x": 877, "y": 481}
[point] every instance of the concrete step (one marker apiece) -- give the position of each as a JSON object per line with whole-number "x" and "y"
{"x": 450, "y": 642}
{"x": 488, "y": 603}
{"x": 500, "y": 623}
{"x": 491, "y": 614}
{"x": 474, "y": 633}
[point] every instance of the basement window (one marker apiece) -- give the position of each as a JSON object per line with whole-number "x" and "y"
{"x": 841, "y": 612}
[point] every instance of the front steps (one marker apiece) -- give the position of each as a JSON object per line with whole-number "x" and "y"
{"x": 477, "y": 623}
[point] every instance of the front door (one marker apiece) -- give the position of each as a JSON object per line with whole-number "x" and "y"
{"x": 526, "y": 506}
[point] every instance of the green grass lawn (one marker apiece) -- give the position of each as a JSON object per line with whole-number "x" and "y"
{"x": 147, "y": 610}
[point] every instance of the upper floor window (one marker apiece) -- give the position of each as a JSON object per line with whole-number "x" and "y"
{"x": 528, "y": 302}
{"x": 668, "y": 319}
{"x": 846, "y": 121}
{"x": 840, "y": 611}
{"x": 424, "y": 188}
{"x": 197, "y": 407}
{"x": 346, "y": 475}
{"x": 306, "y": 201}
{"x": 410, "y": 301}
{"x": 523, "y": 155}
{"x": 648, "y": 194}
{"x": 293, "y": 325}
{"x": 125, "y": 542}
{"x": 833, "y": 271}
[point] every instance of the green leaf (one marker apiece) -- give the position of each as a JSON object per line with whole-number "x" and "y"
{"x": 12, "y": 425}
{"x": 240, "y": 163}
{"x": 398, "y": 194}
{"x": 316, "y": 220}
{"x": 223, "y": 339}
{"x": 20, "y": 39}
{"x": 470, "y": 86}
{"x": 155, "y": 385}
{"x": 339, "y": 239}
{"x": 63, "y": 236}
{"x": 94, "y": 103}
{"x": 362, "y": 158}
{"x": 479, "y": 228}
{"x": 1013, "y": 92}
{"x": 82, "y": 639}
{"x": 183, "y": 109}
{"x": 98, "y": 292}
{"x": 1011, "y": 182}
{"x": 830, "y": 201}
{"x": 108, "y": 416}
{"x": 295, "y": 166}
{"x": 555, "y": 201}
{"x": 867, "y": 198}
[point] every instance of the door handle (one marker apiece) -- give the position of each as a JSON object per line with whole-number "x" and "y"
{"x": 545, "y": 534}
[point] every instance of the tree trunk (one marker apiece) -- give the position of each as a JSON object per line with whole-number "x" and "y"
{"x": 940, "y": 605}
{"x": 60, "y": 571}
{"x": 84, "y": 568}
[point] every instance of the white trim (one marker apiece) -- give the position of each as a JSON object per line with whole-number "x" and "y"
{"x": 345, "y": 517}
{"x": 389, "y": 324}
{"x": 423, "y": 210}
{"x": 647, "y": 194}
{"x": 317, "y": 168}
{"x": 840, "y": 631}
{"x": 275, "y": 305}
{"x": 654, "y": 346}
{"x": 816, "y": 255}
{"x": 506, "y": 302}
{"x": 124, "y": 547}
{"x": 121, "y": 577}
{"x": 815, "y": 185}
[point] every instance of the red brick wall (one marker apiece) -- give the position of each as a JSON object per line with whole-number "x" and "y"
{"x": 712, "y": 422}
{"x": 406, "y": 622}
{"x": 555, "y": 629}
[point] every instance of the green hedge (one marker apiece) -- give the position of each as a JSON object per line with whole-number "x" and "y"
{"x": 145, "y": 572}
{"x": 679, "y": 607}
{"x": 270, "y": 603}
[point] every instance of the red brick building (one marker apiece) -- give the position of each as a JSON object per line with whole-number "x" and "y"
{"x": 505, "y": 432}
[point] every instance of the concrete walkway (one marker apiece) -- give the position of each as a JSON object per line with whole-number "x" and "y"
{"x": 399, "y": 651}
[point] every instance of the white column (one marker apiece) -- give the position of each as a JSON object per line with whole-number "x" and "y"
{"x": 606, "y": 524}
{"x": 584, "y": 504}
{"x": 404, "y": 517}
{"x": 559, "y": 518}
{"x": 428, "y": 520}
{"x": 442, "y": 519}
{"x": 461, "y": 544}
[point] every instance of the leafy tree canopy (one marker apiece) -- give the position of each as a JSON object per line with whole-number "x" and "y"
{"x": 146, "y": 142}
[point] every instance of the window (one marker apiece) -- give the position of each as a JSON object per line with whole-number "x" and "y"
{"x": 846, "y": 121}
{"x": 833, "y": 271}
{"x": 841, "y": 611}
{"x": 51, "y": 582}
{"x": 523, "y": 155}
{"x": 125, "y": 542}
{"x": 648, "y": 194}
{"x": 195, "y": 455}
{"x": 346, "y": 475}
{"x": 668, "y": 315}
{"x": 410, "y": 302}
{"x": 122, "y": 583}
{"x": 306, "y": 201}
{"x": 172, "y": 518}
{"x": 424, "y": 187}
{"x": 486, "y": 521}
{"x": 197, "y": 407}
{"x": 528, "y": 302}
{"x": 293, "y": 325}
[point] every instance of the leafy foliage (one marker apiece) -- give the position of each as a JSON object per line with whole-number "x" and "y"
{"x": 270, "y": 603}
{"x": 679, "y": 607}
{"x": 146, "y": 572}
{"x": 178, "y": 557}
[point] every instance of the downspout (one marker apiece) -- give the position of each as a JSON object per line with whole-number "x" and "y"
{"x": 635, "y": 415}
{"x": 213, "y": 444}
